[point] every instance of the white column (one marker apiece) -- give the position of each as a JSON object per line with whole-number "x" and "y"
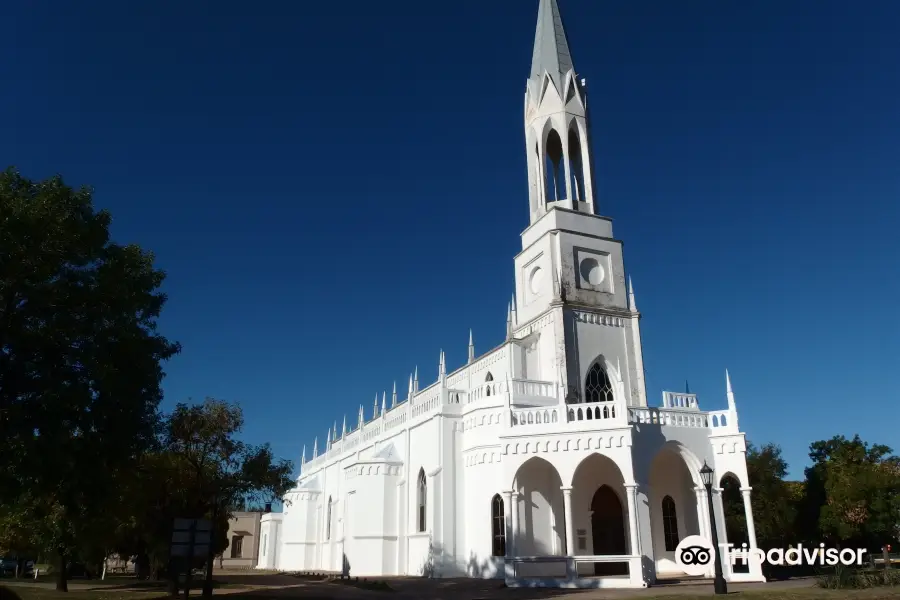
{"x": 748, "y": 513}
{"x": 514, "y": 507}
{"x": 631, "y": 493}
{"x": 570, "y": 531}
{"x": 702, "y": 512}
{"x": 722, "y": 534}
{"x": 508, "y": 516}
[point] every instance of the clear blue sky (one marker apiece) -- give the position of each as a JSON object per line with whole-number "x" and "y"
{"x": 336, "y": 189}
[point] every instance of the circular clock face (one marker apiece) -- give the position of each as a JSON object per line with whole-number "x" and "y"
{"x": 591, "y": 271}
{"x": 534, "y": 282}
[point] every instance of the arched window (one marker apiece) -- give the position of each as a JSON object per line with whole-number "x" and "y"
{"x": 670, "y": 524}
{"x": 488, "y": 379}
{"x": 576, "y": 184}
{"x": 597, "y": 387}
{"x": 423, "y": 494}
{"x": 498, "y": 525}
{"x": 553, "y": 166}
{"x": 328, "y": 520}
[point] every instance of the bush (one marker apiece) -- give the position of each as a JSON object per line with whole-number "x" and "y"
{"x": 846, "y": 578}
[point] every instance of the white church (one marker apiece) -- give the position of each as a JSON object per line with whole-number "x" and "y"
{"x": 540, "y": 462}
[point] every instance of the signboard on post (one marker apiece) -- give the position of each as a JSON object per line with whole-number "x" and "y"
{"x": 183, "y": 544}
{"x": 190, "y": 539}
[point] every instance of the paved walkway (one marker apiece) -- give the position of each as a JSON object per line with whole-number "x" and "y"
{"x": 284, "y": 587}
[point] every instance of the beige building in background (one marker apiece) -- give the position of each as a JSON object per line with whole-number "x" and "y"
{"x": 242, "y": 551}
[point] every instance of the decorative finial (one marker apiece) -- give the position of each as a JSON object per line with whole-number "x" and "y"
{"x": 416, "y": 381}
{"x": 383, "y": 403}
{"x": 728, "y": 389}
{"x": 409, "y": 392}
{"x": 394, "y": 396}
{"x": 344, "y": 431}
{"x": 375, "y": 409}
{"x": 361, "y": 417}
{"x": 303, "y": 456}
{"x": 687, "y": 388}
{"x": 509, "y": 322}
{"x": 631, "y": 303}
{"x": 316, "y": 447}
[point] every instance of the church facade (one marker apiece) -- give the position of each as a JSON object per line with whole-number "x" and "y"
{"x": 540, "y": 462}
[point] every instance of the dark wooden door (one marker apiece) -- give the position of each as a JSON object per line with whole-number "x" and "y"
{"x": 608, "y": 530}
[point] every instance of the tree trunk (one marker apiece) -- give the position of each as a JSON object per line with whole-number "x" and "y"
{"x": 62, "y": 583}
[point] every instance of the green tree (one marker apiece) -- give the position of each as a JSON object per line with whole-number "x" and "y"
{"x": 774, "y": 507}
{"x": 80, "y": 360}
{"x": 201, "y": 470}
{"x": 852, "y": 493}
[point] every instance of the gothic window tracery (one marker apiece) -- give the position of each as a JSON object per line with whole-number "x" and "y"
{"x": 498, "y": 524}
{"x": 422, "y": 499}
{"x": 597, "y": 386}
{"x": 670, "y": 524}
{"x": 328, "y": 520}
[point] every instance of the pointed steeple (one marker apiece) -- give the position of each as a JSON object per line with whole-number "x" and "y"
{"x": 416, "y": 381}
{"x": 471, "y": 348}
{"x": 729, "y": 393}
{"x": 442, "y": 366}
{"x": 316, "y": 447}
{"x": 631, "y": 303}
{"x": 394, "y": 396}
{"x": 303, "y": 456}
{"x": 344, "y": 431}
{"x": 409, "y": 392}
{"x": 551, "y": 48}
{"x": 383, "y": 402}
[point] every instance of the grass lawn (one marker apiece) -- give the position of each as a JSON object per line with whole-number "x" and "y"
{"x": 887, "y": 593}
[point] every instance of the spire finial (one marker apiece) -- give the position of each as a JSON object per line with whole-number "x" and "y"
{"x": 375, "y": 409}
{"x": 409, "y": 392}
{"x": 729, "y": 393}
{"x": 394, "y": 396}
{"x": 303, "y": 456}
{"x": 687, "y": 388}
{"x": 316, "y": 447}
{"x": 631, "y": 303}
{"x": 509, "y": 320}
{"x": 471, "y": 348}
{"x": 416, "y": 381}
{"x": 361, "y": 417}
{"x": 383, "y": 402}
{"x": 344, "y": 431}
{"x": 551, "y": 53}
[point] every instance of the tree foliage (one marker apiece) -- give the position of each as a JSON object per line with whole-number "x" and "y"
{"x": 199, "y": 470}
{"x": 852, "y": 492}
{"x": 80, "y": 358}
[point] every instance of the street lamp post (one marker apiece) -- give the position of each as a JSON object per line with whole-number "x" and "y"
{"x": 706, "y": 475}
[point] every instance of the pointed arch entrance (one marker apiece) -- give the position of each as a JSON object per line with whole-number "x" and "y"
{"x": 608, "y": 530}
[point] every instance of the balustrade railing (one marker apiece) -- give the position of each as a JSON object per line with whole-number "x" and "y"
{"x": 535, "y": 416}
{"x": 662, "y": 416}
{"x": 678, "y": 400}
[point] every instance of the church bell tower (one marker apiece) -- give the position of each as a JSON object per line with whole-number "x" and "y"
{"x": 570, "y": 270}
{"x": 556, "y": 134}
